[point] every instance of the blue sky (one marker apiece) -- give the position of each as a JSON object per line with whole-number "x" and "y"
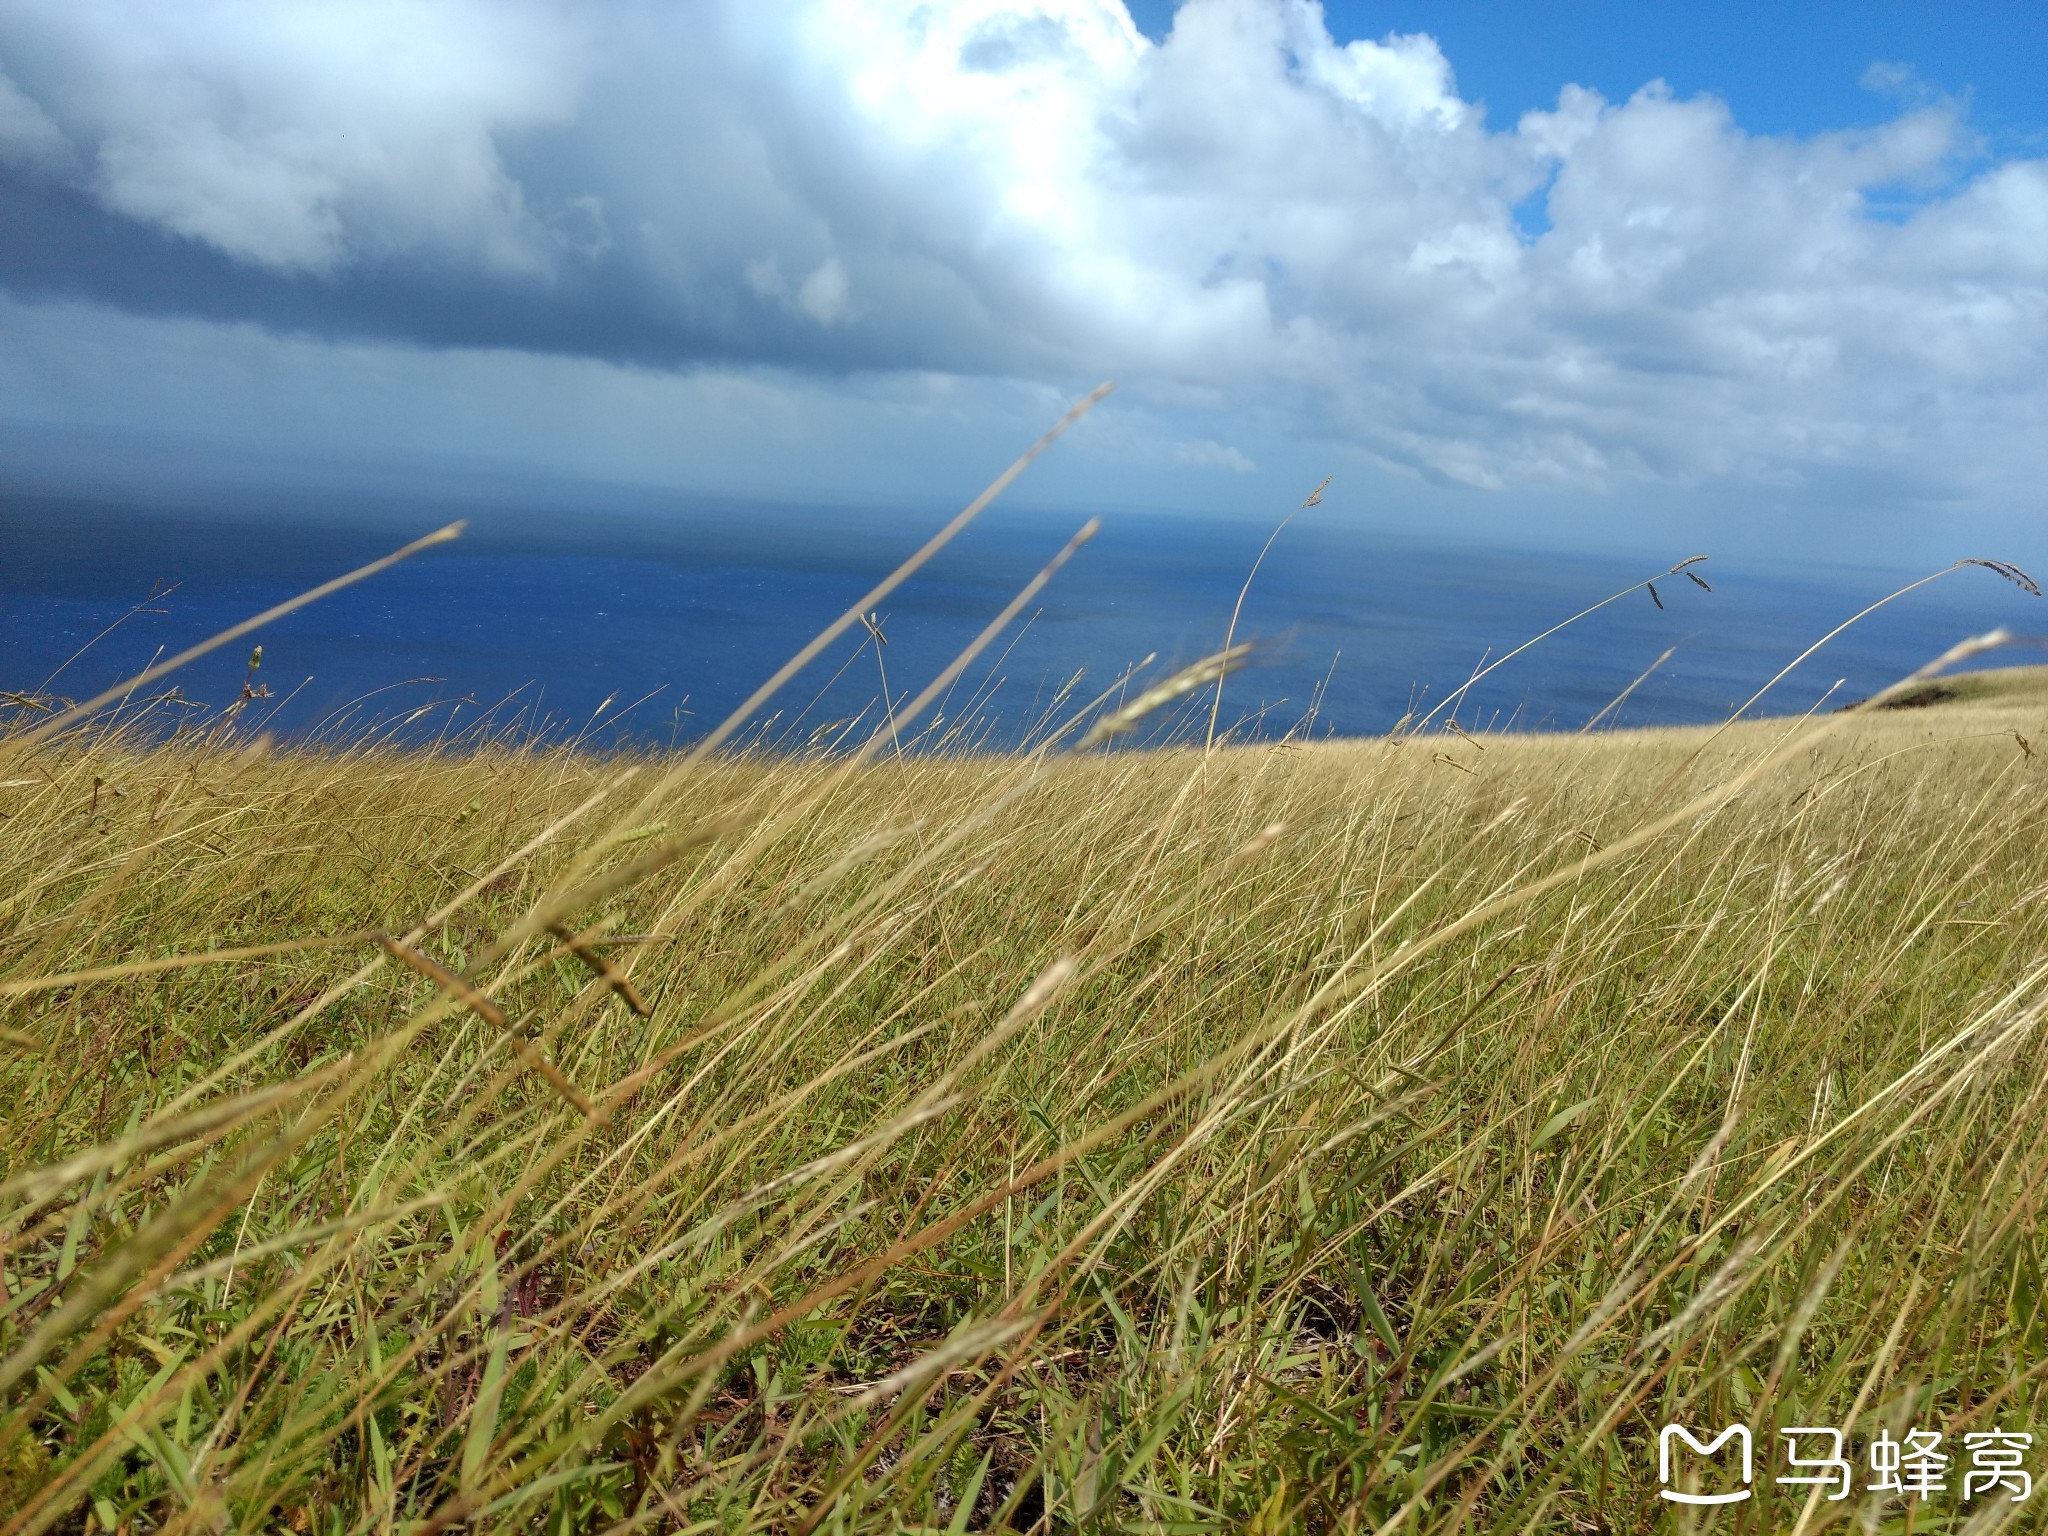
{"x": 1570, "y": 271}
{"x": 1792, "y": 66}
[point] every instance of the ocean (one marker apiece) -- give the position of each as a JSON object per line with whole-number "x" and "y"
{"x": 631, "y": 618}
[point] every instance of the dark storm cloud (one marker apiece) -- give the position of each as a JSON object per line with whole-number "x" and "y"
{"x": 60, "y": 243}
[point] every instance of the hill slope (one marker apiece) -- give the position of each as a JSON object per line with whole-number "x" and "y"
{"x": 1285, "y": 1138}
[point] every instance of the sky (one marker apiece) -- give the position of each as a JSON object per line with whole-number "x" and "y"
{"x": 1783, "y": 66}
{"x": 1593, "y": 271}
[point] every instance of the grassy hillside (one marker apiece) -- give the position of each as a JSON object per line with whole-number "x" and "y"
{"x": 1333, "y": 1138}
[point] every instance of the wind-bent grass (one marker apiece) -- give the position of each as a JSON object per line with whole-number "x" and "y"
{"x": 1099, "y": 1141}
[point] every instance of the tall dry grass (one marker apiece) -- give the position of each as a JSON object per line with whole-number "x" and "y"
{"x": 1371, "y": 1136}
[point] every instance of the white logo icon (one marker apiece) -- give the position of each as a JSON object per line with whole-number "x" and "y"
{"x": 1736, "y": 1432}
{"x": 1818, "y": 1458}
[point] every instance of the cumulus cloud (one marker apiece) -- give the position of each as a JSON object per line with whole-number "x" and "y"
{"x": 1249, "y": 217}
{"x": 302, "y": 137}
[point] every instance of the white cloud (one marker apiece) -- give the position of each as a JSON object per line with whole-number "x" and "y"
{"x": 1248, "y": 215}
{"x": 302, "y": 136}
{"x": 826, "y": 296}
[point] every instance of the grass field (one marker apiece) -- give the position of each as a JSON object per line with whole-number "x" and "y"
{"x": 1390, "y": 1134}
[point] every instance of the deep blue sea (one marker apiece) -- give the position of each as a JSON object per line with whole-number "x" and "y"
{"x": 643, "y": 619}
